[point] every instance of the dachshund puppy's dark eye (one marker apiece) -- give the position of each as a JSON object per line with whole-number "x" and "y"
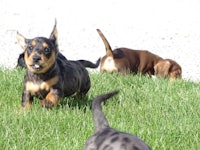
{"x": 47, "y": 50}
{"x": 29, "y": 48}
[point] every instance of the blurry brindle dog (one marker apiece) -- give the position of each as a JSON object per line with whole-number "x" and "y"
{"x": 107, "y": 138}
{"x": 50, "y": 76}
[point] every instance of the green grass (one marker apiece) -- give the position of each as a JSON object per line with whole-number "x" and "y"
{"x": 164, "y": 114}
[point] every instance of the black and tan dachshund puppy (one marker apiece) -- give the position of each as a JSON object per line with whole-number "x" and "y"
{"x": 50, "y": 76}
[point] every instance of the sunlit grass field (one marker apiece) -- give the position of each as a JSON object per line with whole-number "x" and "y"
{"x": 166, "y": 115}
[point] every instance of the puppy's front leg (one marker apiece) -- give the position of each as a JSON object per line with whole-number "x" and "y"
{"x": 27, "y": 100}
{"x": 52, "y": 98}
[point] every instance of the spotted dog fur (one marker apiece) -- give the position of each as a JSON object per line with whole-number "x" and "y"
{"x": 106, "y": 138}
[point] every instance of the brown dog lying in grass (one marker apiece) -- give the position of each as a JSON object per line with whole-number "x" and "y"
{"x": 125, "y": 61}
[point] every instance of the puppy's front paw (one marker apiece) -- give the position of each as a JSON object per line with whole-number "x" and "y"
{"x": 46, "y": 103}
{"x": 51, "y": 99}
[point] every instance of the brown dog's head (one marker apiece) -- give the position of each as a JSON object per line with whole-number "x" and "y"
{"x": 107, "y": 62}
{"x": 40, "y": 52}
{"x": 168, "y": 68}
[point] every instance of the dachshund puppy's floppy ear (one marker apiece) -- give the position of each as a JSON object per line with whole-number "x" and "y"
{"x": 168, "y": 68}
{"x": 162, "y": 68}
{"x": 54, "y": 35}
{"x": 21, "y": 40}
{"x": 175, "y": 70}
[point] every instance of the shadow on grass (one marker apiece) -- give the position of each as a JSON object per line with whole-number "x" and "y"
{"x": 75, "y": 102}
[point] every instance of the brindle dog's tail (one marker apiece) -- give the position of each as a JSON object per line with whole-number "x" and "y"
{"x": 100, "y": 121}
{"x": 106, "y": 43}
{"x": 89, "y": 64}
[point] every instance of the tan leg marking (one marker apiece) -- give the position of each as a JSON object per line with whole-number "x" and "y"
{"x": 50, "y": 100}
{"x": 48, "y": 84}
{"x": 36, "y": 87}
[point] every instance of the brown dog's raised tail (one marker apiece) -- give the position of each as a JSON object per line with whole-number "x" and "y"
{"x": 107, "y": 45}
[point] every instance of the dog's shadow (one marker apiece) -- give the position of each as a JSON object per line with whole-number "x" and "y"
{"x": 75, "y": 102}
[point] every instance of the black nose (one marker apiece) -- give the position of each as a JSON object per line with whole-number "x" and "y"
{"x": 36, "y": 58}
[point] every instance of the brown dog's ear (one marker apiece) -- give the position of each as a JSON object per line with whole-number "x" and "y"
{"x": 54, "y": 35}
{"x": 21, "y": 40}
{"x": 162, "y": 68}
{"x": 107, "y": 45}
{"x": 175, "y": 70}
